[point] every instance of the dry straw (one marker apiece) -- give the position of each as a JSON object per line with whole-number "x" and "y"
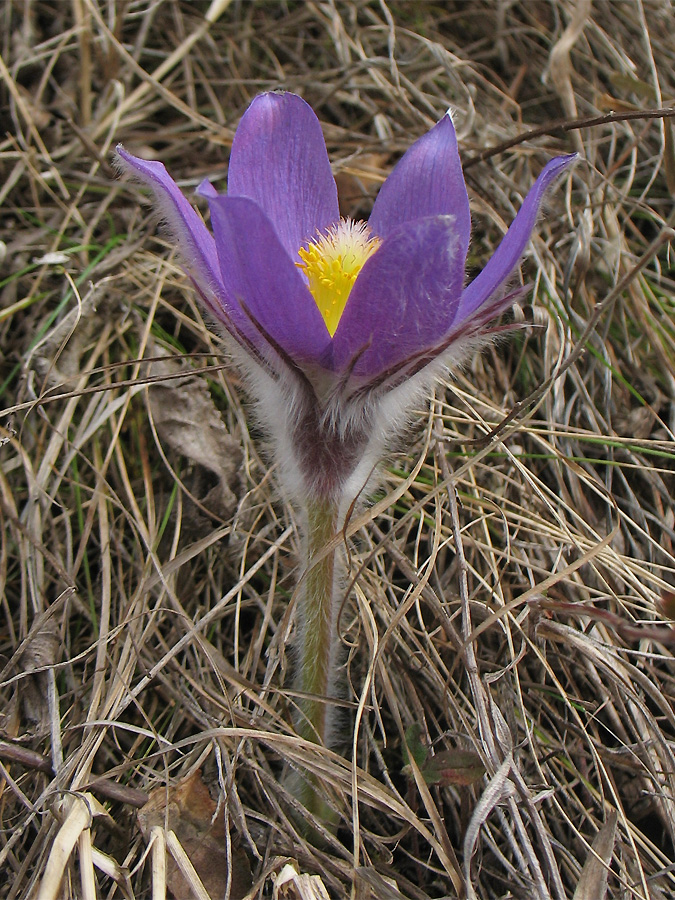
{"x": 512, "y": 585}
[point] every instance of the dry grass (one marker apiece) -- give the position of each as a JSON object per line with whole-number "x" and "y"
{"x": 510, "y": 587}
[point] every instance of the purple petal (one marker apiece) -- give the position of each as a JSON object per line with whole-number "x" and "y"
{"x": 258, "y": 272}
{"x": 206, "y": 189}
{"x": 428, "y": 181}
{"x": 195, "y": 243}
{"x": 279, "y": 160}
{"x": 507, "y": 256}
{"x": 404, "y": 299}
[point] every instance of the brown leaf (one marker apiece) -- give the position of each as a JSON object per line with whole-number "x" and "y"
{"x": 666, "y": 604}
{"x": 592, "y": 883}
{"x": 188, "y": 810}
{"x": 187, "y": 420}
{"x": 293, "y": 885}
{"x": 42, "y": 650}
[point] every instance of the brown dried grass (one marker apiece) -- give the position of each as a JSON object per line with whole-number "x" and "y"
{"x": 511, "y": 580}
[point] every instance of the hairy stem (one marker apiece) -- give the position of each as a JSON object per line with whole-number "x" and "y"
{"x": 317, "y": 640}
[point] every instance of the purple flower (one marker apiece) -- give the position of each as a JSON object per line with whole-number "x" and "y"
{"x": 338, "y": 315}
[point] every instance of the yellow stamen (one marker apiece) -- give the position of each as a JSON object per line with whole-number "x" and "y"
{"x": 331, "y": 263}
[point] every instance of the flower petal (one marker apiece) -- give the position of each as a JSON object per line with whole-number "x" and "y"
{"x": 258, "y": 273}
{"x": 279, "y": 160}
{"x": 507, "y": 256}
{"x": 205, "y": 189}
{"x": 195, "y": 243}
{"x": 404, "y": 299}
{"x": 428, "y": 181}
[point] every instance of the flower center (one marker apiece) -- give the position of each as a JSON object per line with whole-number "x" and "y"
{"x": 331, "y": 263}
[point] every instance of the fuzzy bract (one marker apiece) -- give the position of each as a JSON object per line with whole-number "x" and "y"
{"x": 339, "y": 325}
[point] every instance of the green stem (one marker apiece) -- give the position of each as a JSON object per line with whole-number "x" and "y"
{"x": 317, "y": 640}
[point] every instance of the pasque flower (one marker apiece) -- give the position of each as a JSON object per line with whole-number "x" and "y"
{"x": 338, "y": 315}
{"x": 339, "y": 325}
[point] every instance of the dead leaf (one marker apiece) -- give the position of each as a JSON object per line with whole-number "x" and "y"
{"x": 609, "y": 103}
{"x": 186, "y": 419}
{"x": 499, "y": 787}
{"x": 666, "y": 604}
{"x": 188, "y": 810}
{"x": 592, "y": 883}
{"x": 291, "y": 885}
{"x": 42, "y": 650}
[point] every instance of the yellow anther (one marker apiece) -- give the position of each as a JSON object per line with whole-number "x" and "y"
{"x": 331, "y": 263}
